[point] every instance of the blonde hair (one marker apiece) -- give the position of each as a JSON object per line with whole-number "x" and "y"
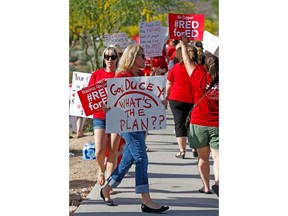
{"x": 128, "y": 58}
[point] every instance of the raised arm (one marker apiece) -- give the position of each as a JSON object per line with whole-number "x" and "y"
{"x": 186, "y": 60}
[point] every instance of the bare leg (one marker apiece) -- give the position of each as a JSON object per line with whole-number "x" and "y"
{"x": 100, "y": 146}
{"x": 79, "y": 123}
{"x": 204, "y": 166}
{"x": 106, "y": 192}
{"x": 112, "y": 159}
{"x": 182, "y": 142}
{"x": 215, "y": 156}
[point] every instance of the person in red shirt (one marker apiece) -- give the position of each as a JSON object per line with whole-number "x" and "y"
{"x": 110, "y": 63}
{"x": 155, "y": 66}
{"x": 204, "y": 122}
{"x": 171, "y": 52}
{"x": 171, "y": 49}
{"x": 131, "y": 61}
{"x": 179, "y": 95}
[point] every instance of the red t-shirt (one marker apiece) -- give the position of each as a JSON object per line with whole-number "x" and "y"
{"x": 158, "y": 61}
{"x": 96, "y": 76}
{"x": 171, "y": 51}
{"x": 180, "y": 84}
{"x": 206, "y": 113}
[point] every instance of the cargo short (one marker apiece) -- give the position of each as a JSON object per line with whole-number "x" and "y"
{"x": 201, "y": 136}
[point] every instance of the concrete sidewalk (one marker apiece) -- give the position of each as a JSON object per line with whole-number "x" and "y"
{"x": 174, "y": 182}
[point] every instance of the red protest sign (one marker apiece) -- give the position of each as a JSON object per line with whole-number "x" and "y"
{"x": 192, "y": 25}
{"x": 93, "y": 97}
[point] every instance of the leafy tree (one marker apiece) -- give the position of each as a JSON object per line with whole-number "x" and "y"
{"x": 212, "y": 23}
{"x": 89, "y": 20}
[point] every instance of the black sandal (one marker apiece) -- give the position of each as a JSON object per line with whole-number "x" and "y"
{"x": 201, "y": 190}
{"x": 180, "y": 154}
{"x": 195, "y": 153}
{"x": 107, "y": 202}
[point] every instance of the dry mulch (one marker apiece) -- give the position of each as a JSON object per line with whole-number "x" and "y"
{"x": 82, "y": 173}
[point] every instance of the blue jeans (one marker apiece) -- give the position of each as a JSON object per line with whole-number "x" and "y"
{"x": 134, "y": 152}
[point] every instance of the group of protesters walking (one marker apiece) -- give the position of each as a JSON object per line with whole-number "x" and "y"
{"x": 192, "y": 85}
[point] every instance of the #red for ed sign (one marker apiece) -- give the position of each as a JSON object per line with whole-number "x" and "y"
{"x": 192, "y": 25}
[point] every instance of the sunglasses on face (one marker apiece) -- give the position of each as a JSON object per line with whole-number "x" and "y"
{"x": 142, "y": 55}
{"x": 107, "y": 57}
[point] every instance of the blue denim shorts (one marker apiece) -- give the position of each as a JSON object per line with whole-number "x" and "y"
{"x": 99, "y": 123}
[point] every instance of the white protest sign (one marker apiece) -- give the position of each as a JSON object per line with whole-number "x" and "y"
{"x": 152, "y": 38}
{"x": 135, "y": 104}
{"x": 116, "y": 38}
{"x": 210, "y": 42}
{"x": 79, "y": 81}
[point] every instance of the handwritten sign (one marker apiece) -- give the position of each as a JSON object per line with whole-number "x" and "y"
{"x": 192, "y": 25}
{"x": 93, "y": 97}
{"x": 210, "y": 42}
{"x": 116, "y": 38}
{"x": 151, "y": 38}
{"x": 79, "y": 81}
{"x": 135, "y": 104}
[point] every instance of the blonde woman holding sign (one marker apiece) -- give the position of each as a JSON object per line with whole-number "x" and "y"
{"x": 131, "y": 61}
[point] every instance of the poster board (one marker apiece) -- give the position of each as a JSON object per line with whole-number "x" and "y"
{"x": 210, "y": 42}
{"x": 116, "y": 38}
{"x": 93, "y": 97}
{"x": 192, "y": 25}
{"x": 79, "y": 81}
{"x": 152, "y": 38}
{"x": 135, "y": 104}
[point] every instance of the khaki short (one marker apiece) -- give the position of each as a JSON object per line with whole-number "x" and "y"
{"x": 201, "y": 136}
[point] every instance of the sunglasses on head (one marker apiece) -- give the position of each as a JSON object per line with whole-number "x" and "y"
{"x": 107, "y": 57}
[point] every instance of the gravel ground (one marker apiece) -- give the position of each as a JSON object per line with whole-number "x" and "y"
{"x": 82, "y": 173}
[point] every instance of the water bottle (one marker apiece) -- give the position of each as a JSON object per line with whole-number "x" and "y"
{"x": 88, "y": 151}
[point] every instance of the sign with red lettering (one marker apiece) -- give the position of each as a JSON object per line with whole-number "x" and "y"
{"x": 152, "y": 38}
{"x": 79, "y": 80}
{"x": 192, "y": 25}
{"x": 135, "y": 104}
{"x": 93, "y": 97}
